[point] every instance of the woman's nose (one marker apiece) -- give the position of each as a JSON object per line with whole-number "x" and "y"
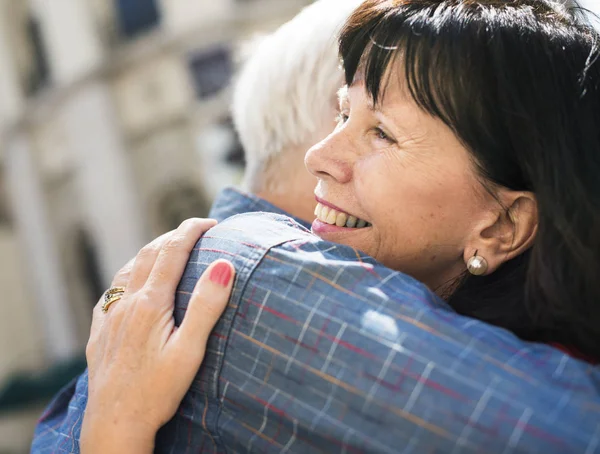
{"x": 330, "y": 159}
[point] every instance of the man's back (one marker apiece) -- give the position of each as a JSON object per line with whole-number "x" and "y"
{"x": 323, "y": 350}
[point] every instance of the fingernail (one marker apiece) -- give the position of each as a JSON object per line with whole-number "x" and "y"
{"x": 221, "y": 274}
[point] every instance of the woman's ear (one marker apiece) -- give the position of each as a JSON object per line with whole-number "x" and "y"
{"x": 510, "y": 232}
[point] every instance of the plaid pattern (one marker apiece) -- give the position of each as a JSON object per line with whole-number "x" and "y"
{"x": 322, "y": 350}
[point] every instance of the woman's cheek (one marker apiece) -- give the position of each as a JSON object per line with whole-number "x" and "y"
{"x": 375, "y": 173}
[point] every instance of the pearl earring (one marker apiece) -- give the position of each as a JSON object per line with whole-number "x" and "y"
{"x": 477, "y": 265}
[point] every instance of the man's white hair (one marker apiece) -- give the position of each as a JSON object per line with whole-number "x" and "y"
{"x": 286, "y": 89}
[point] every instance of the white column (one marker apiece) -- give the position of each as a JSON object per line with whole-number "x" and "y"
{"x": 104, "y": 178}
{"x": 70, "y": 36}
{"x": 43, "y": 271}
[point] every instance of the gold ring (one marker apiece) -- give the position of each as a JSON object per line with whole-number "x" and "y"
{"x": 112, "y": 295}
{"x": 114, "y": 290}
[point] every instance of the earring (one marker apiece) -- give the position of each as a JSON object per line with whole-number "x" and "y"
{"x": 477, "y": 265}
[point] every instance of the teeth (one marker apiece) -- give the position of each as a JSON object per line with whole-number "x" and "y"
{"x": 341, "y": 219}
{"x": 331, "y": 217}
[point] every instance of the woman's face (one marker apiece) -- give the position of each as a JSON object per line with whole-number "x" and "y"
{"x": 407, "y": 175}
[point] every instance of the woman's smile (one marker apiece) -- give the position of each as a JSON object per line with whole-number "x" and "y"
{"x": 330, "y": 218}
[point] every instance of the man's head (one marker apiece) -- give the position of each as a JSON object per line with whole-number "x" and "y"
{"x": 285, "y": 101}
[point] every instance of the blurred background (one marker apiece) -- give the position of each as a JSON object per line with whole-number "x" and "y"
{"x": 114, "y": 127}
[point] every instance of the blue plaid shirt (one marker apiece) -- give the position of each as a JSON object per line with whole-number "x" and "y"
{"x": 323, "y": 350}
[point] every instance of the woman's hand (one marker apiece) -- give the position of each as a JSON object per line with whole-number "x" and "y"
{"x": 140, "y": 365}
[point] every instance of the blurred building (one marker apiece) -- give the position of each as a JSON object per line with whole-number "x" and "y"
{"x": 114, "y": 127}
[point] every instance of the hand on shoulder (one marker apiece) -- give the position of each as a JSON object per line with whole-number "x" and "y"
{"x": 140, "y": 364}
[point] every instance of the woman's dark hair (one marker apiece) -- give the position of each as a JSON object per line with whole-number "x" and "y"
{"x": 518, "y": 81}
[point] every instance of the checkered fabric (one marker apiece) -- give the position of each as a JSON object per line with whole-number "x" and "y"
{"x": 323, "y": 350}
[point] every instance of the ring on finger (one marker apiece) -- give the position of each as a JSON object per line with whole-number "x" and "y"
{"x": 112, "y": 295}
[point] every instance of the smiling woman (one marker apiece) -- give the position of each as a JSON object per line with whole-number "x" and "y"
{"x": 468, "y": 133}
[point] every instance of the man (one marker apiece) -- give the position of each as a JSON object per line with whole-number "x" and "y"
{"x": 285, "y": 101}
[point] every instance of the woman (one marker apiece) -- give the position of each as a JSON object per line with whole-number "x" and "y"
{"x": 467, "y": 157}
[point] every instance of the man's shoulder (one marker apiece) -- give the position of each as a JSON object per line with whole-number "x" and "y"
{"x": 282, "y": 248}
{"x": 260, "y": 229}
{"x": 297, "y": 267}
{"x": 320, "y": 337}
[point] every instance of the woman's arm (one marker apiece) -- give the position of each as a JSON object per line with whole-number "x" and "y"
{"x": 140, "y": 364}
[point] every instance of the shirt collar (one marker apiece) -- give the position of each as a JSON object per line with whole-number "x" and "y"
{"x": 232, "y": 201}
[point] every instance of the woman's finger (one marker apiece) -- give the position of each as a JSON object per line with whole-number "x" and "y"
{"x": 172, "y": 258}
{"x": 207, "y": 303}
{"x": 144, "y": 262}
{"x": 98, "y": 317}
{"x": 122, "y": 277}
{"x": 119, "y": 280}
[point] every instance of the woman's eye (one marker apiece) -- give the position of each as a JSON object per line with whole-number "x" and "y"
{"x": 382, "y": 135}
{"x": 341, "y": 118}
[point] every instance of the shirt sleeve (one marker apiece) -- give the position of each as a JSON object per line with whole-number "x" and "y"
{"x": 322, "y": 349}
{"x": 59, "y": 427}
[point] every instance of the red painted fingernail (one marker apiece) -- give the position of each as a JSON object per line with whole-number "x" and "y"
{"x": 221, "y": 274}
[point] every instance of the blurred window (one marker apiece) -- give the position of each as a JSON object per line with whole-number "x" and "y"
{"x": 4, "y": 211}
{"x": 137, "y": 16}
{"x": 39, "y": 75}
{"x": 211, "y": 70}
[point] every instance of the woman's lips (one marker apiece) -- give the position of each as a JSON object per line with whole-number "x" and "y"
{"x": 327, "y": 204}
